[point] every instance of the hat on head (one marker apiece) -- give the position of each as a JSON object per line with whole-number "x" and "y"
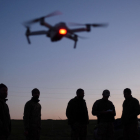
{"x": 106, "y": 92}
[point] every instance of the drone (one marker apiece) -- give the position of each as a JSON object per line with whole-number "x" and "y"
{"x": 59, "y": 30}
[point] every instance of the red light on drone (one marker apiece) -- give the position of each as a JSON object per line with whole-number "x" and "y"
{"x": 62, "y": 31}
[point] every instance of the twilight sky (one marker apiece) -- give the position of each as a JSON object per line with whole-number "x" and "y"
{"x": 108, "y": 59}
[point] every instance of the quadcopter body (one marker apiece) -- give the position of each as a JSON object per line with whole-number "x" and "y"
{"x": 58, "y": 31}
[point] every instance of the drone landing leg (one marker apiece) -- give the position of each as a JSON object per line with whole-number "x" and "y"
{"x": 75, "y": 44}
{"x": 28, "y": 39}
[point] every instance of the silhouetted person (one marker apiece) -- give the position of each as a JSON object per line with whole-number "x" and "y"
{"x": 5, "y": 121}
{"x": 131, "y": 110}
{"x": 105, "y": 112}
{"x": 77, "y": 115}
{"x": 32, "y": 117}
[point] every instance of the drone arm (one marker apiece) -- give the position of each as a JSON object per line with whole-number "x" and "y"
{"x": 37, "y": 33}
{"x": 46, "y": 24}
{"x": 28, "y": 33}
{"x": 78, "y": 30}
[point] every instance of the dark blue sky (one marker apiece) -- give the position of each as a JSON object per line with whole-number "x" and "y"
{"x": 108, "y": 59}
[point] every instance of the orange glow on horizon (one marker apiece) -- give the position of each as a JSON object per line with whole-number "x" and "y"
{"x": 62, "y": 31}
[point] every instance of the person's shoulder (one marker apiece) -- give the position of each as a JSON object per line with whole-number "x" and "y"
{"x": 28, "y": 102}
{"x": 110, "y": 101}
{"x": 84, "y": 100}
{"x": 39, "y": 104}
{"x": 124, "y": 102}
{"x": 98, "y": 101}
{"x": 73, "y": 99}
{"x": 135, "y": 100}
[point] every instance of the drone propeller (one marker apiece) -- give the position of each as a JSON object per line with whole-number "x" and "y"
{"x": 39, "y": 19}
{"x": 98, "y": 25}
{"x": 94, "y": 24}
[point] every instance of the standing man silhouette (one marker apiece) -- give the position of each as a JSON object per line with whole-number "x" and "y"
{"x": 77, "y": 115}
{"x": 105, "y": 112}
{"x": 32, "y": 117}
{"x": 131, "y": 109}
{"x": 5, "y": 121}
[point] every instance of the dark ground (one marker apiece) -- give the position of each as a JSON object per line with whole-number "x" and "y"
{"x": 53, "y": 130}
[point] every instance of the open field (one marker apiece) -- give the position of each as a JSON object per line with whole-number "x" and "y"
{"x": 51, "y": 130}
